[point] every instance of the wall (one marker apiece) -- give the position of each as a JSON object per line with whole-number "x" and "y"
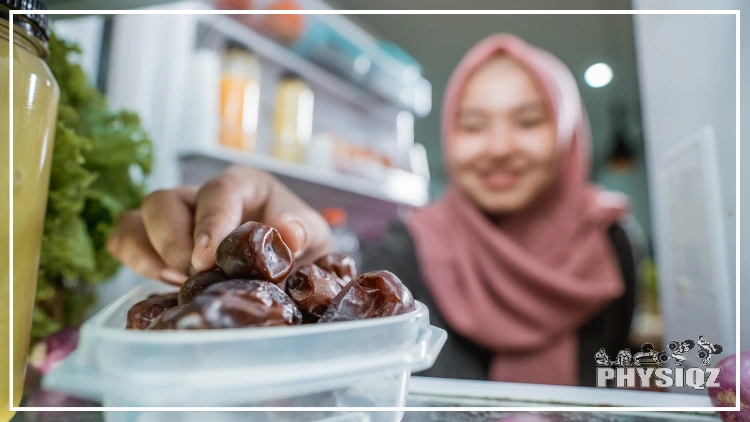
{"x": 687, "y": 70}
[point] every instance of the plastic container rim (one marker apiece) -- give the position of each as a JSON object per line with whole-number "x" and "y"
{"x": 100, "y": 330}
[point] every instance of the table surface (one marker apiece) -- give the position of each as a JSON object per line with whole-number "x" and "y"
{"x": 432, "y": 392}
{"x": 430, "y": 416}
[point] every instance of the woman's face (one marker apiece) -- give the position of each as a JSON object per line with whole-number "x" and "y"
{"x": 502, "y": 150}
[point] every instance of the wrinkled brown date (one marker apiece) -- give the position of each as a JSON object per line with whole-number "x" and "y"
{"x": 143, "y": 312}
{"x": 233, "y": 304}
{"x": 254, "y": 251}
{"x": 195, "y": 285}
{"x": 371, "y": 295}
{"x": 312, "y": 289}
{"x": 184, "y": 317}
{"x": 340, "y": 264}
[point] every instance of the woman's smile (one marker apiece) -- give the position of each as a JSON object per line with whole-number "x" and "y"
{"x": 500, "y": 179}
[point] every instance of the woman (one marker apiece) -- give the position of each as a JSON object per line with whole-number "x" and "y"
{"x": 522, "y": 260}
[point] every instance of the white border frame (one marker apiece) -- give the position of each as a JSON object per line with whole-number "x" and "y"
{"x": 12, "y": 14}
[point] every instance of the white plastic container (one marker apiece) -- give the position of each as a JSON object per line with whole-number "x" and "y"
{"x": 354, "y": 364}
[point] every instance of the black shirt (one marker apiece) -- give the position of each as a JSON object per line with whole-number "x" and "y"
{"x": 460, "y": 358}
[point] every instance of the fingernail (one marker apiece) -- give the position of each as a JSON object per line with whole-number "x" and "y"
{"x": 173, "y": 276}
{"x": 202, "y": 242}
{"x": 200, "y": 246}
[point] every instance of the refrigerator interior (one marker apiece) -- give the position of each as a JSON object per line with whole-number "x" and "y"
{"x": 147, "y": 64}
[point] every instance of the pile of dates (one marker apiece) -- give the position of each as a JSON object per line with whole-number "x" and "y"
{"x": 254, "y": 286}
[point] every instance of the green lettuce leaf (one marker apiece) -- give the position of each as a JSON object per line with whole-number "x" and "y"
{"x": 99, "y": 163}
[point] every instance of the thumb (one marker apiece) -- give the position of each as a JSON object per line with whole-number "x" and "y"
{"x": 305, "y": 232}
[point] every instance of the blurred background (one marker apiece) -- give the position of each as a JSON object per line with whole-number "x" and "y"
{"x": 346, "y": 111}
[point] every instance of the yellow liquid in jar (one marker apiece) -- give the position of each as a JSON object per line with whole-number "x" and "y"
{"x": 35, "y": 100}
{"x": 293, "y": 120}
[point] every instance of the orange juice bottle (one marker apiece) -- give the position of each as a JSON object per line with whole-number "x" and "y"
{"x": 240, "y": 99}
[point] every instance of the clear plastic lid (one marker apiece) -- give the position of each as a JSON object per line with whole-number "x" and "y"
{"x": 236, "y": 366}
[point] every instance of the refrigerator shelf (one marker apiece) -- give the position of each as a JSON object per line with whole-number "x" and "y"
{"x": 396, "y": 186}
{"x": 403, "y": 92}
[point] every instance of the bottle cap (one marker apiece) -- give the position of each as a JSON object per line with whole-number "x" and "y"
{"x": 335, "y": 217}
{"x": 37, "y": 24}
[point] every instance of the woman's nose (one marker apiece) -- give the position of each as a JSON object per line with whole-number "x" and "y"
{"x": 500, "y": 142}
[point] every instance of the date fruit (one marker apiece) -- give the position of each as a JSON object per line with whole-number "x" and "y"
{"x": 143, "y": 312}
{"x": 182, "y": 317}
{"x": 195, "y": 285}
{"x": 371, "y": 295}
{"x": 233, "y": 304}
{"x": 312, "y": 289}
{"x": 340, "y": 264}
{"x": 255, "y": 251}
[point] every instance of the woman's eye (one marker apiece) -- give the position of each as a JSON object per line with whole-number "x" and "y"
{"x": 471, "y": 127}
{"x": 530, "y": 122}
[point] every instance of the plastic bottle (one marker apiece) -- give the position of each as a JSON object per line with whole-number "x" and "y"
{"x": 202, "y": 120}
{"x": 240, "y": 99}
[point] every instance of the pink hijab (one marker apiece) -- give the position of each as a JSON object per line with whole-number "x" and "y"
{"x": 522, "y": 286}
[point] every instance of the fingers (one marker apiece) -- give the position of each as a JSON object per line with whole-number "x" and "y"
{"x": 293, "y": 232}
{"x": 303, "y": 229}
{"x": 305, "y": 232}
{"x": 241, "y": 194}
{"x": 168, "y": 219}
{"x": 131, "y": 246}
{"x": 218, "y": 211}
{"x": 177, "y": 231}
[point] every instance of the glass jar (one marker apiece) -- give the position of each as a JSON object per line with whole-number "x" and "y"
{"x": 293, "y": 119}
{"x": 35, "y": 98}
